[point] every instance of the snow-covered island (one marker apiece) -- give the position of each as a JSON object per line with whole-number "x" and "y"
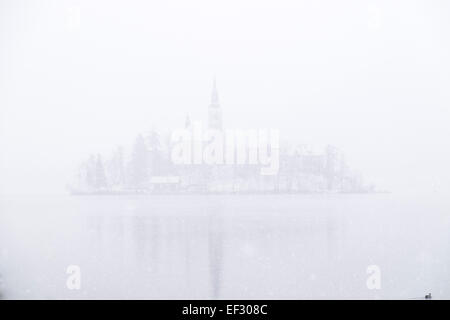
{"x": 149, "y": 167}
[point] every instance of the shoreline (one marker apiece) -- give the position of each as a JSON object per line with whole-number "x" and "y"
{"x": 111, "y": 193}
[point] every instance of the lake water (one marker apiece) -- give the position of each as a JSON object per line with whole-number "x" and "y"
{"x": 225, "y": 247}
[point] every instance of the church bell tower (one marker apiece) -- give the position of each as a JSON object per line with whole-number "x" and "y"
{"x": 214, "y": 111}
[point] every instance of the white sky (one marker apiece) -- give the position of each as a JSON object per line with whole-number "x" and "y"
{"x": 372, "y": 77}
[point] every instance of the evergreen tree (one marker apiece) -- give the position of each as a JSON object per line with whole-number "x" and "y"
{"x": 139, "y": 165}
{"x": 100, "y": 176}
{"x": 331, "y": 165}
{"x": 116, "y": 169}
{"x": 90, "y": 172}
{"x": 155, "y": 153}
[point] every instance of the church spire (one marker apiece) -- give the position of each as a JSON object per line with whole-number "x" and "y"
{"x": 214, "y": 112}
{"x": 214, "y": 94}
{"x": 187, "y": 123}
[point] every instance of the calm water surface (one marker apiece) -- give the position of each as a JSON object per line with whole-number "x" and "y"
{"x": 224, "y": 247}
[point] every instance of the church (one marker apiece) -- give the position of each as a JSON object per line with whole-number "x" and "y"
{"x": 298, "y": 170}
{"x": 150, "y": 168}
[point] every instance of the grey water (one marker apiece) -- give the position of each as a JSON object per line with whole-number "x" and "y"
{"x": 224, "y": 246}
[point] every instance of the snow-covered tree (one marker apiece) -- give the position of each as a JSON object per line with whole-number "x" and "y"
{"x": 139, "y": 164}
{"x": 116, "y": 168}
{"x": 100, "y": 175}
{"x": 155, "y": 153}
{"x": 90, "y": 172}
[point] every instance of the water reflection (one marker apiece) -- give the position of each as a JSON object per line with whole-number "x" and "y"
{"x": 164, "y": 247}
{"x": 182, "y": 253}
{"x": 215, "y": 245}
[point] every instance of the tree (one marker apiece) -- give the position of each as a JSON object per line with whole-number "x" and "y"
{"x": 90, "y": 172}
{"x": 331, "y": 166}
{"x": 155, "y": 153}
{"x": 139, "y": 165}
{"x": 100, "y": 176}
{"x": 116, "y": 169}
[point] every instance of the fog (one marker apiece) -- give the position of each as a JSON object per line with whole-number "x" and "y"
{"x": 370, "y": 79}
{"x": 80, "y": 77}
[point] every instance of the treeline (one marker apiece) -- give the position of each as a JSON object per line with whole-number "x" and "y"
{"x": 148, "y": 164}
{"x": 149, "y": 156}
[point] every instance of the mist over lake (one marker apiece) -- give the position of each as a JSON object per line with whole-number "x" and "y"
{"x": 224, "y": 247}
{"x": 239, "y": 149}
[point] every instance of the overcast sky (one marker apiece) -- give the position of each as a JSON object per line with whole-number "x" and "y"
{"x": 371, "y": 77}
